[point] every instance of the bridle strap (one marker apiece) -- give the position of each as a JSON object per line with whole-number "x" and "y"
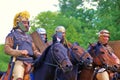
{"x": 51, "y": 64}
{"x": 73, "y": 55}
{"x": 83, "y": 54}
{"x": 56, "y": 73}
{"x": 57, "y": 67}
{"x": 101, "y": 60}
{"x": 53, "y": 55}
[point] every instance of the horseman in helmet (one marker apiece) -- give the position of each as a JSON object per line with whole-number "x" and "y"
{"x": 42, "y": 34}
{"x": 40, "y": 39}
{"x": 60, "y": 36}
{"x": 103, "y": 38}
{"x": 18, "y": 38}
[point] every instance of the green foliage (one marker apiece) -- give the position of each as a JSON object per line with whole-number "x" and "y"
{"x": 108, "y": 17}
{"x": 69, "y": 7}
{"x": 81, "y": 24}
{"x": 53, "y": 19}
{"x": 4, "y": 59}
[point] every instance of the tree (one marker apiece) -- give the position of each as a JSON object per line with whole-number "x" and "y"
{"x": 108, "y": 17}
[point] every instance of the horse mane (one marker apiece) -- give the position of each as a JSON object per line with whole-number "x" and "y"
{"x": 41, "y": 59}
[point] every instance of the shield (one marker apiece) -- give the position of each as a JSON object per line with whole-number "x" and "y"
{"x": 41, "y": 46}
{"x": 116, "y": 47}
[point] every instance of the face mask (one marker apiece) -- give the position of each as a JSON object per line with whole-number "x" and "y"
{"x": 22, "y": 27}
{"x": 43, "y": 38}
{"x": 59, "y": 35}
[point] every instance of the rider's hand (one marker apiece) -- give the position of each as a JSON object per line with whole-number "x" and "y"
{"x": 24, "y": 52}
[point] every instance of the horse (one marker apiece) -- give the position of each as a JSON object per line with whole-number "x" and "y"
{"x": 80, "y": 60}
{"x": 53, "y": 58}
{"x": 104, "y": 59}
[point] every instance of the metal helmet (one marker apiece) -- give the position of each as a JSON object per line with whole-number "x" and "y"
{"x": 60, "y": 29}
{"x": 104, "y": 36}
{"x": 41, "y": 30}
{"x": 21, "y": 16}
{"x": 104, "y": 33}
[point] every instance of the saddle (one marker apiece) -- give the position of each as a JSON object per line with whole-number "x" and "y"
{"x": 28, "y": 69}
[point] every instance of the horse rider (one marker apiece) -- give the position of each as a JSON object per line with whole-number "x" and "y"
{"x": 103, "y": 38}
{"x": 19, "y": 44}
{"x": 40, "y": 38}
{"x": 42, "y": 34}
{"x": 60, "y": 36}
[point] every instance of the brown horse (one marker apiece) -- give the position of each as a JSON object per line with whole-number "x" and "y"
{"x": 86, "y": 69}
{"x": 103, "y": 58}
{"x": 80, "y": 59}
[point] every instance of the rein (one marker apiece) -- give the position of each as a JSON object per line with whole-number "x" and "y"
{"x": 76, "y": 60}
{"x": 73, "y": 55}
{"x": 57, "y": 65}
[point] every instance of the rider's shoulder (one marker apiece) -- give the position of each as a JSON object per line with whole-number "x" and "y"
{"x": 10, "y": 34}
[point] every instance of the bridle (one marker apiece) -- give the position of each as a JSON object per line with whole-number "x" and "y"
{"x": 81, "y": 60}
{"x": 57, "y": 64}
{"x": 99, "y": 54}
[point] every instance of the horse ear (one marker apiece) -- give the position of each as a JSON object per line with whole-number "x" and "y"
{"x": 91, "y": 44}
{"x": 76, "y": 44}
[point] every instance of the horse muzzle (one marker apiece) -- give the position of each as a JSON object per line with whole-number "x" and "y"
{"x": 67, "y": 68}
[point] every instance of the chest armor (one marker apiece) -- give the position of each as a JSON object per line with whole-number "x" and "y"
{"x": 23, "y": 41}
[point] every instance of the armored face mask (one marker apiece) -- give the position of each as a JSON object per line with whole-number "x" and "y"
{"x": 43, "y": 37}
{"x": 24, "y": 25}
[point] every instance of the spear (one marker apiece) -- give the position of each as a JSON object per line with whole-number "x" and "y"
{"x": 12, "y": 65}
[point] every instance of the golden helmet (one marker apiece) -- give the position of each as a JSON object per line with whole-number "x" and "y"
{"x": 60, "y": 29}
{"x": 104, "y": 33}
{"x": 21, "y": 16}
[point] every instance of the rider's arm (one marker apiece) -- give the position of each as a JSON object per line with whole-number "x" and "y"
{"x": 36, "y": 52}
{"x": 8, "y": 48}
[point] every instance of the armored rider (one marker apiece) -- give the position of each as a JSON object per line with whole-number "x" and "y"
{"x": 18, "y": 38}
{"x": 60, "y": 36}
{"x": 103, "y": 38}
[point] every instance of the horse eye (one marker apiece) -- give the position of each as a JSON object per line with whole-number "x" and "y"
{"x": 75, "y": 48}
{"x": 88, "y": 58}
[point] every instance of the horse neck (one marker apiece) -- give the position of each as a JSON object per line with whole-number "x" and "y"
{"x": 47, "y": 72}
{"x": 84, "y": 72}
{"x": 46, "y": 69}
{"x": 72, "y": 56}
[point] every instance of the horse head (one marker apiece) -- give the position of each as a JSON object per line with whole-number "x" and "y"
{"x": 82, "y": 56}
{"x": 102, "y": 56}
{"x": 60, "y": 57}
{"x": 54, "y": 58}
